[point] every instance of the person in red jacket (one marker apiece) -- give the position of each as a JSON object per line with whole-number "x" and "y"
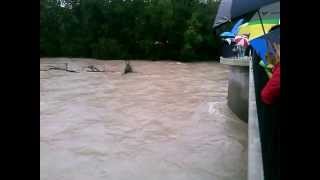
{"x": 271, "y": 91}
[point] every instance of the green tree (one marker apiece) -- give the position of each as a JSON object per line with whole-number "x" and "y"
{"x": 128, "y": 29}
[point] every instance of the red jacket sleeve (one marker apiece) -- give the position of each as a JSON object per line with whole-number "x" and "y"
{"x": 271, "y": 91}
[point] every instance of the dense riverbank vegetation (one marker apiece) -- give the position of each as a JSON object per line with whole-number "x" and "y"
{"x": 129, "y": 29}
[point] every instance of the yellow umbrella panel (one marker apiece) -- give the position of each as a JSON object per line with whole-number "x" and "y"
{"x": 255, "y": 29}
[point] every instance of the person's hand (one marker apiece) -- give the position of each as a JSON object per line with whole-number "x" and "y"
{"x": 270, "y": 66}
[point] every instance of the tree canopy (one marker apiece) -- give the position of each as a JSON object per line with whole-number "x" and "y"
{"x": 128, "y": 29}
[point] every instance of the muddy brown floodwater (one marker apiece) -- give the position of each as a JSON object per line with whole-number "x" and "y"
{"x": 167, "y": 121}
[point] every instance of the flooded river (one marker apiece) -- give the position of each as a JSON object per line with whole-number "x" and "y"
{"x": 166, "y": 121}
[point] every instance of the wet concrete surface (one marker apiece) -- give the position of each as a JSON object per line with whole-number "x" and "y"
{"x": 168, "y": 120}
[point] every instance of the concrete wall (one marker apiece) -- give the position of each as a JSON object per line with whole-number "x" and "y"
{"x": 238, "y": 91}
{"x": 242, "y": 101}
{"x": 255, "y": 165}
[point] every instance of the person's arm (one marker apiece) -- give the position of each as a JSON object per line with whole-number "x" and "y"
{"x": 269, "y": 69}
{"x": 271, "y": 91}
{"x": 269, "y": 74}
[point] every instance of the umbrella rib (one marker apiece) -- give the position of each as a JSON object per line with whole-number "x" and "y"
{"x": 264, "y": 32}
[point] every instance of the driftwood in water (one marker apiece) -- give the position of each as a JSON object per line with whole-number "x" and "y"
{"x": 94, "y": 69}
{"x": 59, "y": 68}
{"x": 127, "y": 68}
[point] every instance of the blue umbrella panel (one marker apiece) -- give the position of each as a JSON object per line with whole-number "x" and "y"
{"x": 233, "y": 31}
{"x": 262, "y": 45}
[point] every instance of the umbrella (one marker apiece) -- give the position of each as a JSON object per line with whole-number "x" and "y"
{"x": 261, "y": 45}
{"x": 241, "y": 41}
{"x": 270, "y": 16}
{"x": 227, "y": 35}
{"x": 230, "y": 9}
{"x": 233, "y": 31}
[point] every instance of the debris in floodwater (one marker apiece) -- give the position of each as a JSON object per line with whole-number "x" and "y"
{"x": 59, "y": 68}
{"x": 94, "y": 69}
{"x": 127, "y": 68}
